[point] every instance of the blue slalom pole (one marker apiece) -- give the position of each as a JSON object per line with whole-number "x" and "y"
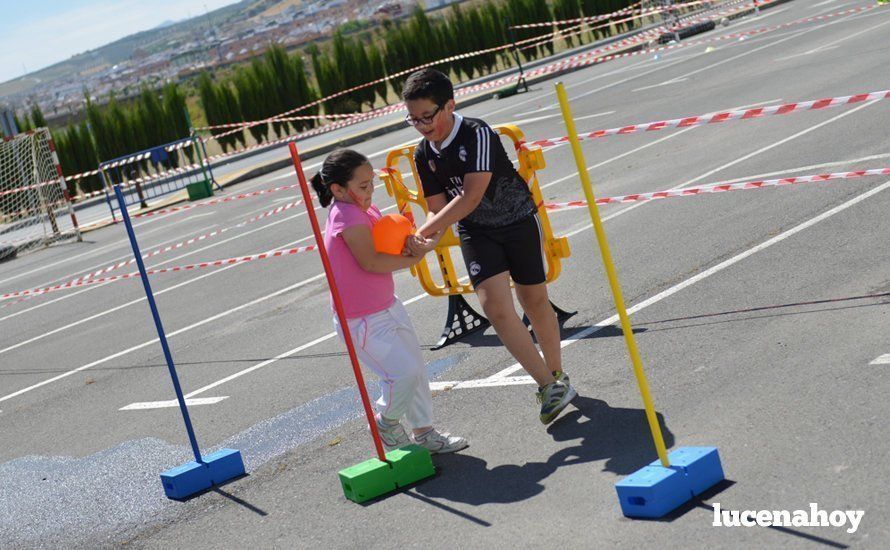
{"x": 162, "y": 336}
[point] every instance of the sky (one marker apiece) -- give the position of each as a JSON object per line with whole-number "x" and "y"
{"x": 39, "y": 33}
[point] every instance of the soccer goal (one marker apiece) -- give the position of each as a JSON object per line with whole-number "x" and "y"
{"x": 35, "y": 209}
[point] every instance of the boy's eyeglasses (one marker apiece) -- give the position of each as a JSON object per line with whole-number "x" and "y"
{"x": 426, "y": 120}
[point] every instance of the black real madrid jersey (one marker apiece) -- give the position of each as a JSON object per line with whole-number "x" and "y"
{"x": 472, "y": 147}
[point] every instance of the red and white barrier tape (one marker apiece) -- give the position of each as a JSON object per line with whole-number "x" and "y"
{"x": 725, "y": 116}
{"x": 687, "y": 192}
{"x": 202, "y": 265}
{"x": 92, "y": 276}
{"x": 578, "y": 60}
{"x": 246, "y": 124}
{"x": 584, "y": 60}
{"x": 32, "y": 187}
{"x": 578, "y": 20}
{"x": 705, "y": 189}
{"x": 688, "y": 20}
{"x": 214, "y": 201}
{"x": 597, "y": 18}
{"x": 575, "y": 31}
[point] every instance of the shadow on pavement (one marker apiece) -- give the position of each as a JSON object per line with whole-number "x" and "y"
{"x": 617, "y": 435}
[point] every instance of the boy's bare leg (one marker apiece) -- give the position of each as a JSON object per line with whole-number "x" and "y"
{"x": 497, "y": 303}
{"x": 536, "y": 304}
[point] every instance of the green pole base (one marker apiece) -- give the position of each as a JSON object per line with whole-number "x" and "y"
{"x": 373, "y": 478}
{"x": 200, "y": 190}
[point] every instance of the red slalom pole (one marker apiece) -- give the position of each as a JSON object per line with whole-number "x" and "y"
{"x": 338, "y": 304}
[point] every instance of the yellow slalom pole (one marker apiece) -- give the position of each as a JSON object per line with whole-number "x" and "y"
{"x": 613, "y": 277}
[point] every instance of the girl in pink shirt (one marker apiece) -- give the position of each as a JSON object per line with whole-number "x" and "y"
{"x": 383, "y": 335}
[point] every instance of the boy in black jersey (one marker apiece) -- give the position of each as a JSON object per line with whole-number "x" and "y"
{"x": 468, "y": 179}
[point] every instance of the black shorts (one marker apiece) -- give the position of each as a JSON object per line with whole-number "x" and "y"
{"x": 516, "y": 248}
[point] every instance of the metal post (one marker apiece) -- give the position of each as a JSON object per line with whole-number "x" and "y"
{"x": 611, "y": 274}
{"x": 521, "y": 81}
{"x": 338, "y": 305}
{"x": 157, "y": 318}
{"x": 205, "y": 159}
{"x": 105, "y": 187}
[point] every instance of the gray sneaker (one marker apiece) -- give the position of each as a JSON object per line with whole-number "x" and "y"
{"x": 554, "y": 397}
{"x": 392, "y": 435}
{"x": 437, "y": 442}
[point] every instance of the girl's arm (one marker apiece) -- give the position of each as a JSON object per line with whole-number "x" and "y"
{"x": 361, "y": 244}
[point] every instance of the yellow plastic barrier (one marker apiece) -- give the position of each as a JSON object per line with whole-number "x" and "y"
{"x": 530, "y": 161}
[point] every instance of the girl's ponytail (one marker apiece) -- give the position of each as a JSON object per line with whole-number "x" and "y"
{"x": 322, "y": 189}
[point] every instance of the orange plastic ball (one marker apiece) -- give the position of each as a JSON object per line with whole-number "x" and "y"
{"x": 390, "y": 232}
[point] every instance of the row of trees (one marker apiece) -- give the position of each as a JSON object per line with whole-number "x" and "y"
{"x": 265, "y": 88}
{"x": 351, "y": 61}
{"x": 116, "y": 130}
{"x": 280, "y": 82}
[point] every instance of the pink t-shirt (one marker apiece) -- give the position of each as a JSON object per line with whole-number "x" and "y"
{"x": 362, "y": 292}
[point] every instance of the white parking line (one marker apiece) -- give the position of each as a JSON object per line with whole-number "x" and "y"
{"x": 804, "y": 168}
{"x": 169, "y": 335}
{"x": 743, "y": 54}
{"x": 660, "y": 84}
{"x": 882, "y": 360}
{"x": 596, "y": 115}
{"x": 172, "y": 403}
{"x": 70, "y": 276}
{"x": 832, "y": 45}
{"x": 591, "y": 79}
{"x": 117, "y": 308}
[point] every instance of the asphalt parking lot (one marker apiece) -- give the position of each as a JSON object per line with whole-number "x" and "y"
{"x": 761, "y": 316}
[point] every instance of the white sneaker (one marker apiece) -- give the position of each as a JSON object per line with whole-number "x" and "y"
{"x": 438, "y": 443}
{"x": 392, "y": 435}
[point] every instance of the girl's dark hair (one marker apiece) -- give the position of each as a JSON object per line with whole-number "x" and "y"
{"x": 337, "y": 168}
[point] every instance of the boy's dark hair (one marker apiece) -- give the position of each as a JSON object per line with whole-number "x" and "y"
{"x": 337, "y": 168}
{"x": 428, "y": 84}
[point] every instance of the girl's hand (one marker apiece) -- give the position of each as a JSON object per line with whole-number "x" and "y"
{"x": 419, "y": 246}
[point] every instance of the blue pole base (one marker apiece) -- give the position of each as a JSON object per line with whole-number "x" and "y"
{"x": 192, "y": 477}
{"x": 654, "y": 491}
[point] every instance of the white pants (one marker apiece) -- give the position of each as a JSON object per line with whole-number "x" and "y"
{"x": 386, "y": 343}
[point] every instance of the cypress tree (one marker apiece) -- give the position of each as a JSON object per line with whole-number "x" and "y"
{"x": 177, "y": 123}
{"x": 475, "y": 40}
{"x": 306, "y": 93}
{"x": 567, "y": 9}
{"x": 102, "y": 133}
{"x": 37, "y": 118}
{"x": 231, "y": 112}
{"x": 493, "y": 33}
{"x": 260, "y": 107}
{"x": 286, "y": 86}
{"x": 378, "y": 70}
{"x": 211, "y": 104}
{"x": 458, "y": 24}
{"x": 364, "y": 73}
{"x": 23, "y": 125}
{"x": 154, "y": 127}
{"x": 87, "y": 157}
{"x": 249, "y": 98}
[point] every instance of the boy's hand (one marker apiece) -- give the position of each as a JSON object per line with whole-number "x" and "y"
{"x": 419, "y": 246}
